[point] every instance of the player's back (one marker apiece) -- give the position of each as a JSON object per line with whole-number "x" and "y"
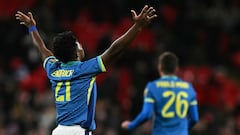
{"x": 74, "y": 86}
{"x": 172, "y": 98}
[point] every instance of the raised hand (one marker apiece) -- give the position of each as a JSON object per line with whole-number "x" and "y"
{"x": 29, "y": 21}
{"x": 24, "y": 19}
{"x": 146, "y": 15}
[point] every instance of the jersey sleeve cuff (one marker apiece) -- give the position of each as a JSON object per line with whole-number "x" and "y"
{"x": 101, "y": 65}
{"x": 45, "y": 61}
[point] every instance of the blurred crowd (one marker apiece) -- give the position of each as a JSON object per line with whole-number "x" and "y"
{"x": 204, "y": 34}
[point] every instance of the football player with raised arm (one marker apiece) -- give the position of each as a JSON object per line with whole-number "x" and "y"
{"x": 73, "y": 81}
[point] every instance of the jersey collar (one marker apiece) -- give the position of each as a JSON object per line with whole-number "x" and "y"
{"x": 70, "y": 63}
{"x": 169, "y": 77}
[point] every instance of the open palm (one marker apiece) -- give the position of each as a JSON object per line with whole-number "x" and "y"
{"x": 145, "y": 16}
{"x": 26, "y": 20}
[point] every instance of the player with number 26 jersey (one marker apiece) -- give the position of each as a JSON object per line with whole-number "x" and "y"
{"x": 171, "y": 100}
{"x": 175, "y": 102}
{"x": 74, "y": 86}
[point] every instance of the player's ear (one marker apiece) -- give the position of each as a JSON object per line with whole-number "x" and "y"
{"x": 159, "y": 68}
{"x": 80, "y": 54}
{"x": 177, "y": 70}
{"x": 80, "y": 51}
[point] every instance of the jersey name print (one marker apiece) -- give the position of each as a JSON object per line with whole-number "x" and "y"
{"x": 172, "y": 84}
{"x": 62, "y": 73}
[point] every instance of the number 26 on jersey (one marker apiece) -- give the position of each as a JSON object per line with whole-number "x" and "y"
{"x": 180, "y": 107}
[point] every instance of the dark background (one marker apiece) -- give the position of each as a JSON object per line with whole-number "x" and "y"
{"x": 204, "y": 34}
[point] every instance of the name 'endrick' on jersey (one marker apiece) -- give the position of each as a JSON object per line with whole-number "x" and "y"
{"x": 62, "y": 73}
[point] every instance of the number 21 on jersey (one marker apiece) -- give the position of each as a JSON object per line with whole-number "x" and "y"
{"x": 67, "y": 95}
{"x": 181, "y": 104}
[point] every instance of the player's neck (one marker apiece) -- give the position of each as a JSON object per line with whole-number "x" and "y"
{"x": 165, "y": 74}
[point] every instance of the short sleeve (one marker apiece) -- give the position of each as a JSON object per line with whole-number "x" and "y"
{"x": 148, "y": 96}
{"x": 193, "y": 100}
{"x": 92, "y": 66}
{"x": 49, "y": 60}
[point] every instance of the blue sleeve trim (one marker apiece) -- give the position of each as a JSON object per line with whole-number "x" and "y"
{"x": 45, "y": 61}
{"x": 145, "y": 114}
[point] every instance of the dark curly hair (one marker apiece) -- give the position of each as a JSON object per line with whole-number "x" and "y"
{"x": 169, "y": 62}
{"x": 64, "y": 46}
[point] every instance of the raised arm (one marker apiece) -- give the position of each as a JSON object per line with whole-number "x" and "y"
{"x": 118, "y": 46}
{"x": 29, "y": 22}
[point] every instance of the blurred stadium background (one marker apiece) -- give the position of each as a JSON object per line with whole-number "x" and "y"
{"x": 205, "y": 34}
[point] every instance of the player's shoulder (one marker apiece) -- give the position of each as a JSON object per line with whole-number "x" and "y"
{"x": 91, "y": 60}
{"x": 153, "y": 83}
{"x": 189, "y": 85}
{"x": 49, "y": 61}
{"x": 183, "y": 84}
